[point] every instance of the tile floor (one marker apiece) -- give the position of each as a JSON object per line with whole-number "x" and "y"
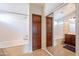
{"x": 2, "y": 52}
{"x": 56, "y": 51}
{"x": 60, "y": 51}
{"x": 39, "y": 52}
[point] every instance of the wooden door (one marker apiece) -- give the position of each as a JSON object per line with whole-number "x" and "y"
{"x": 48, "y": 31}
{"x": 36, "y": 31}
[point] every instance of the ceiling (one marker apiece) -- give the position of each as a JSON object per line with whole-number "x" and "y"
{"x": 49, "y": 7}
{"x": 38, "y": 4}
{"x": 64, "y": 11}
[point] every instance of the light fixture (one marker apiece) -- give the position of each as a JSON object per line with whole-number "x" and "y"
{"x": 72, "y": 19}
{"x": 55, "y": 22}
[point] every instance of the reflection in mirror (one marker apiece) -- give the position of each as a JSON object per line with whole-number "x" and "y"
{"x": 60, "y": 31}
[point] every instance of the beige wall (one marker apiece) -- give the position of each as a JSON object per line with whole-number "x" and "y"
{"x": 77, "y": 30}
{"x": 43, "y": 30}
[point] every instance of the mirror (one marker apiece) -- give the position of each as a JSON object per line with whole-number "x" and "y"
{"x": 62, "y": 40}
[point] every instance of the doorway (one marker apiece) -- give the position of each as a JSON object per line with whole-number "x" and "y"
{"x": 36, "y": 31}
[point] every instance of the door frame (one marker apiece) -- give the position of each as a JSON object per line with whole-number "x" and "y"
{"x": 40, "y": 29}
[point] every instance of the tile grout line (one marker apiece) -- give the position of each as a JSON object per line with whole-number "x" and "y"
{"x": 47, "y": 51}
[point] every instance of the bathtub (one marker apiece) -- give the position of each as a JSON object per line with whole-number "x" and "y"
{"x": 15, "y": 47}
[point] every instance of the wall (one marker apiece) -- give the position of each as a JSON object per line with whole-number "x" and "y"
{"x": 58, "y": 28}
{"x": 15, "y": 7}
{"x": 77, "y": 30}
{"x": 58, "y": 33}
{"x": 43, "y": 30}
{"x": 9, "y": 19}
{"x": 14, "y": 26}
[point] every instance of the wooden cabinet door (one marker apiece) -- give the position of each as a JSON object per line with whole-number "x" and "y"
{"x": 36, "y": 32}
{"x": 67, "y": 39}
{"x": 73, "y": 38}
{"x": 48, "y": 31}
{"x": 70, "y": 39}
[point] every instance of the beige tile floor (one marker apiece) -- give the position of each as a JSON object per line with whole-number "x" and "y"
{"x": 2, "y": 52}
{"x": 60, "y": 51}
{"x": 56, "y": 51}
{"x": 39, "y": 52}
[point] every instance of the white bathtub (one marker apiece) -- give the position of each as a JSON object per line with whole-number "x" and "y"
{"x": 15, "y": 47}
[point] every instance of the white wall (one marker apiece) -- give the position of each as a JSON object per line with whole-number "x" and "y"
{"x": 58, "y": 30}
{"x": 12, "y": 24}
{"x": 15, "y": 7}
{"x": 58, "y": 33}
{"x": 13, "y": 27}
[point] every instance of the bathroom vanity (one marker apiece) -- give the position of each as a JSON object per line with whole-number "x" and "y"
{"x": 70, "y": 39}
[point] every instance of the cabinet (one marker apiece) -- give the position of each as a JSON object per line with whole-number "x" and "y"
{"x": 70, "y": 39}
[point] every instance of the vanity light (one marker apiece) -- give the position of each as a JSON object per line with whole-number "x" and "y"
{"x": 72, "y": 20}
